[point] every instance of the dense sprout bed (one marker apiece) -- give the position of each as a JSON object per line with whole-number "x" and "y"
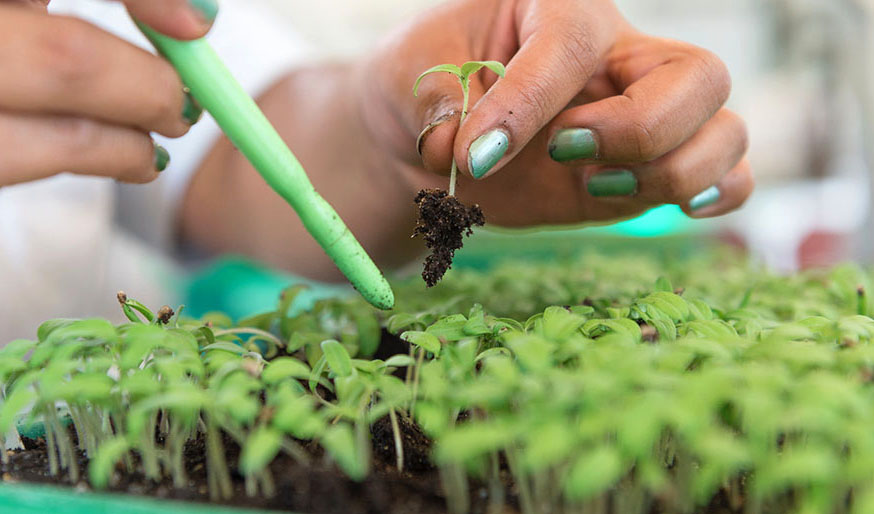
{"x": 588, "y": 386}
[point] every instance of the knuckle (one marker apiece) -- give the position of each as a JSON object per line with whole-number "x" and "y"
{"x": 675, "y": 185}
{"x": 77, "y": 134}
{"x": 579, "y": 47}
{"x": 68, "y": 52}
{"x": 643, "y": 136}
{"x": 742, "y": 133}
{"x": 714, "y": 73}
{"x": 165, "y": 106}
{"x": 534, "y": 94}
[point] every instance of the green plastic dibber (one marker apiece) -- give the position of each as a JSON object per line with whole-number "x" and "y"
{"x": 217, "y": 91}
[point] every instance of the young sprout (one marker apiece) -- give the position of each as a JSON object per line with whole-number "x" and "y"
{"x": 463, "y": 74}
{"x": 443, "y": 220}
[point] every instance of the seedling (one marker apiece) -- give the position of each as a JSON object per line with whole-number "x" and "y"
{"x": 443, "y": 220}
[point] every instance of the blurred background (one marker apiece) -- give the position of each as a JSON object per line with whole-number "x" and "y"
{"x": 802, "y": 79}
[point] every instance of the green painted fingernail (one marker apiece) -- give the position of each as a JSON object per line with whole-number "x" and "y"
{"x": 191, "y": 110}
{"x": 705, "y": 198}
{"x": 486, "y": 151}
{"x": 572, "y": 144}
{"x": 162, "y": 158}
{"x": 208, "y": 9}
{"x": 613, "y": 183}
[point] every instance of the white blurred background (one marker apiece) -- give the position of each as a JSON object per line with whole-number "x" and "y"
{"x": 803, "y": 79}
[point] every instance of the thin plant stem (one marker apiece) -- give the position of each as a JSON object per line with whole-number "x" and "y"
{"x": 399, "y": 445}
{"x": 419, "y": 362}
{"x": 453, "y": 174}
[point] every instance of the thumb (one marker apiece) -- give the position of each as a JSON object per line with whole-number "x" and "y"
{"x": 439, "y": 114}
{"x": 180, "y": 19}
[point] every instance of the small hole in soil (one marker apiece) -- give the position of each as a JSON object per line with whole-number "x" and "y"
{"x": 443, "y": 223}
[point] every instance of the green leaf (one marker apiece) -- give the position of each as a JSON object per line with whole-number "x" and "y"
{"x": 90, "y": 329}
{"x": 50, "y": 326}
{"x": 476, "y": 323}
{"x": 423, "y": 340}
{"x": 471, "y": 67}
{"x": 20, "y": 399}
{"x": 223, "y": 346}
{"x": 400, "y": 322}
{"x": 593, "y": 473}
{"x": 102, "y": 466}
{"x": 338, "y": 358}
{"x": 399, "y": 361}
{"x": 663, "y": 283}
{"x": 282, "y": 368}
{"x": 259, "y": 450}
{"x": 448, "y": 68}
{"x": 449, "y": 328}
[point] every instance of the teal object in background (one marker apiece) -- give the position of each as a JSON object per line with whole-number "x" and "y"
{"x": 40, "y": 499}
{"x": 661, "y": 221}
{"x": 239, "y": 287}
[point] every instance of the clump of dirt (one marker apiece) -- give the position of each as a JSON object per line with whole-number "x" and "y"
{"x": 443, "y": 223}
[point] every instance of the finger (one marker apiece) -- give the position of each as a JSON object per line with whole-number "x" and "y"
{"x": 181, "y": 19}
{"x": 697, "y": 164}
{"x": 729, "y": 194}
{"x": 656, "y": 113}
{"x": 559, "y": 51}
{"x": 67, "y": 66}
{"x": 34, "y": 147}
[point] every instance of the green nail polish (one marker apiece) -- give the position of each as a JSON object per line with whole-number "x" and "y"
{"x": 572, "y": 144}
{"x": 486, "y": 151}
{"x": 162, "y": 158}
{"x": 208, "y": 9}
{"x": 613, "y": 183}
{"x": 705, "y": 198}
{"x": 191, "y": 110}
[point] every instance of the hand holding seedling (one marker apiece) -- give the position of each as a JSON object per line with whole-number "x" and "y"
{"x": 75, "y": 98}
{"x": 593, "y": 121}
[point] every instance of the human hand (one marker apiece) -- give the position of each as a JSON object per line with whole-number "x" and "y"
{"x": 593, "y": 121}
{"x": 74, "y": 98}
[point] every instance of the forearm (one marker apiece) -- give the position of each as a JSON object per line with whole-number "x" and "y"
{"x": 228, "y": 208}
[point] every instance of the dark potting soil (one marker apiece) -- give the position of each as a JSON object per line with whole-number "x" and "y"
{"x": 443, "y": 223}
{"x": 316, "y": 488}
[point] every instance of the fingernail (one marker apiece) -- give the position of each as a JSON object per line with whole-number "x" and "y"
{"x": 420, "y": 141}
{"x": 572, "y": 144}
{"x": 162, "y": 158}
{"x": 191, "y": 110}
{"x": 612, "y": 183}
{"x": 207, "y": 9}
{"x": 705, "y": 198}
{"x": 486, "y": 151}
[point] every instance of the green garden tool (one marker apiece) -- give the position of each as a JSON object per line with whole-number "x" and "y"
{"x": 217, "y": 91}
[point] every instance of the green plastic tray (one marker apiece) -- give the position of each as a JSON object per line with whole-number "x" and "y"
{"x": 41, "y": 499}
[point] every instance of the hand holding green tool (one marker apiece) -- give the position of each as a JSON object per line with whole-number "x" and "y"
{"x": 213, "y": 86}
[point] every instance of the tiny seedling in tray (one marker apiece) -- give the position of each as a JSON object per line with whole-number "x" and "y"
{"x": 443, "y": 219}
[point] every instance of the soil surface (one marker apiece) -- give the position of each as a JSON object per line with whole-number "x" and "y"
{"x": 317, "y": 488}
{"x": 443, "y": 223}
